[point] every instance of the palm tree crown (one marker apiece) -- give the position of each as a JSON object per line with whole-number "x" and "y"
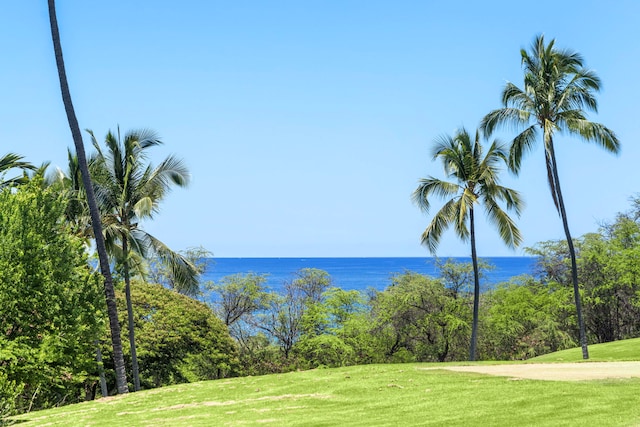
{"x": 130, "y": 190}
{"x": 557, "y": 90}
{"x": 476, "y": 181}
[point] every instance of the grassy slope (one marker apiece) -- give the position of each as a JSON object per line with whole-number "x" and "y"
{"x": 375, "y": 395}
{"x": 626, "y": 350}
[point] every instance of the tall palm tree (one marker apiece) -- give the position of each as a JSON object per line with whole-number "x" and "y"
{"x": 476, "y": 182}
{"x": 112, "y": 311}
{"x": 129, "y": 190}
{"x": 557, "y": 90}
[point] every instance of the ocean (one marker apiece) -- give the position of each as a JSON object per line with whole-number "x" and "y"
{"x": 357, "y": 273}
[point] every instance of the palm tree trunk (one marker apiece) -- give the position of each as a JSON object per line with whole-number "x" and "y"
{"x": 572, "y": 252}
{"x": 476, "y": 289}
{"x": 112, "y": 311}
{"x": 132, "y": 336}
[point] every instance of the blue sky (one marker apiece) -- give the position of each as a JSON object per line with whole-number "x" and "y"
{"x": 306, "y": 125}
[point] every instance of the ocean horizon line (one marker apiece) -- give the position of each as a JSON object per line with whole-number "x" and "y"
{"x": 369, "y": 257}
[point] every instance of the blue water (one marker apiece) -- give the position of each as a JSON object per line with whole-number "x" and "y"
{"x": 356, "y": 273}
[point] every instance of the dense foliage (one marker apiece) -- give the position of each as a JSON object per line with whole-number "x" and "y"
{"x": 52, "y": 312}
{"x": 427, "y": 319}
{"x": 179, "y": 339}
{"x": 51, "y": 309}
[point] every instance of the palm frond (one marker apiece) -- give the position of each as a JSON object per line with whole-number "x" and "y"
{"x": 439, "y": 224}
{"x": 506, "y": 227}
{"x": 522, "y": 144}
{"x": 432, "y": 186}
{"x": 185, "y": 274}
{"x": 514, "y": 118}
{"x": 595, "y": 132}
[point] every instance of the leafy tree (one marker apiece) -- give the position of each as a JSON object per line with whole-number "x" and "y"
{"x": 288, "y": 315}
{"x": 526, "y": 318}
{"x": 609, "y": 271}
{"x": 50, "y": 304}
{"x": 557, "y": 90}
{"x": 458, "y": 276}
{"x": 237, "y": 299}
{"x": 128, "y": 190}
{"x": 476, "y": 181}
{"x": 179, "y": 339}
{"x": 93, "y": 206}
{"x": 332, "y": 334}
{"x": 419, "y": 319}
{"x": 552, "y": 261}
{"x": 312, "y": 283}
{"x": 282, "y": 318}
{"x": 239, "y": 296}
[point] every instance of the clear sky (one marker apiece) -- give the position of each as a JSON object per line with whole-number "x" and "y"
{"x": 307, "y": 124}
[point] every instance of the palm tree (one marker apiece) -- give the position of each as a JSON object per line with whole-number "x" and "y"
{"x": 112, "y": 311}
{"x": 476, "y": 181}
{"x": 128, "y": 190}
{"x": 77, "y": 212}
{"x": 13, "y": 161}
{"x": 557, "y": 90}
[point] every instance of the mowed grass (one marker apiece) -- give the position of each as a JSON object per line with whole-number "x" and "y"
{"x": 374, "y": 395}
{"x": 617, "y": 351}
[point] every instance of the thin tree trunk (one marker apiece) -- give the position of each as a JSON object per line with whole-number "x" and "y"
{"x": 104, "y": 390}
{"x": 112, "y": 311}
{"x": 572, "y": 253}
{"x": 132, "y": 335}
{"x": 476, "y": 289}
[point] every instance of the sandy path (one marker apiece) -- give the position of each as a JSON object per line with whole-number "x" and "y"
{"x": 557, "y": 371}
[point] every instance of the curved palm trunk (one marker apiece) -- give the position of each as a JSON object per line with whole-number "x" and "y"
{"x": 112, "y": 311}
{"x": 132, "y": 336}
{"x": 572, "y": 252}
{"x": 476, "y": 289}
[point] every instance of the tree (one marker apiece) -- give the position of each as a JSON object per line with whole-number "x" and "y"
{"x": 312, "y": 282}
{"x": 129, "y": 190}
{"x": 51, "y": 310}
{"x": 70, "y": 181}
{"x": 476, "y": 182}
{"x": 105, "y": 268}
{"x": 287, "y": 316}
{"x": 179, "y": 339}
{"x": 526, "y": 318}
{"x": 420, "y": 320}
{"x": 557, "y": 90}
{"x": 239, "y": 296}
{"x": 458, "y": 276}
{"x": 13, "y": 161}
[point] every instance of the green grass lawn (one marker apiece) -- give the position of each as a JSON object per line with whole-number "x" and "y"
{"x": 617, "y": 351}
{"x": 374, "y": 395}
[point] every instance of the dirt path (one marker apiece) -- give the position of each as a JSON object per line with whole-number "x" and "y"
{"x": 557, "y": 371}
